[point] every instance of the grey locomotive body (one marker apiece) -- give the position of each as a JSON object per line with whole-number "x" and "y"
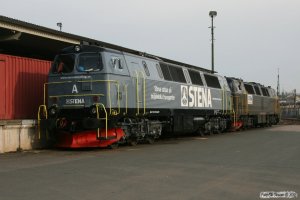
{"x": 254, "y": 104}
{"x": 141, "y": 94}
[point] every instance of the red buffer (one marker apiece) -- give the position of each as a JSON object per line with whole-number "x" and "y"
{"x": 235, "y": 126}
{"x": 89, "y": 138}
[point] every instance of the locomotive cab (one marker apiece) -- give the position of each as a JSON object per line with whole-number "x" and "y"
{"x": 77, "y": 90}
{"x": 79, "y": 93}
{"x": 77, "y": 60}
{"x": 71, "y": 90}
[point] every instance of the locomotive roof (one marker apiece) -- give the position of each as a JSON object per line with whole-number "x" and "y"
{"x": 96, "y": 47}
{"x": 258, "y": 84}
{"x": 83, "y": 48}
{"x": 234, "y": 78}
{"x": 249, "y": 83}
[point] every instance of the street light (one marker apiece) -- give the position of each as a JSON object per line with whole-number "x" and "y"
{"x": 212, "y": 14}
{"x": 59, "y": 24}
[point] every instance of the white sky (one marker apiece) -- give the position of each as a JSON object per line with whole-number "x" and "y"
{"x": 253, "y": 37}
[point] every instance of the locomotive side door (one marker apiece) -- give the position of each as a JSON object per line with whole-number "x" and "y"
{"x": 117, "y": 73}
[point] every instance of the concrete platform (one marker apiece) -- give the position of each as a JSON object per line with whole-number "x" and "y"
{"x": 236, "y": 165}
{"x": 16, "y": 135}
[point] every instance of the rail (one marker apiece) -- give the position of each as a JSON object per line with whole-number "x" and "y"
{"x": 227, "y": 103}
{"x": 247, "y": 105}
{"x": 242, "y": 101}
{"x": 234, "y": 117}
{"x": 231, "y": 104}
{"x": 237, "y": 101}
{"x": 118, "y": 98}
{"x": 105, "y": 118}
{"x": 137, "y": 93}
{"x": 245, "y": 102}
{"x": 144, "y": 91}
{"x": 126, "y": 98}
{"x": 44, "y": 107}
{"x": 241, "y": 104}
{"x": 76, "y": 95}
{"x": 232, "y": 110}
{"x": 137, "y": 73}
{"x": 224, "y": 96}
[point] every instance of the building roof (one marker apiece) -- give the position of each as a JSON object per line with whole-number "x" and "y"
{"x": 31, "y": 40}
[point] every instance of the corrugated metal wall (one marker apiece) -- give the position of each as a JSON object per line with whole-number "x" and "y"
{"x": 21, "y": 86}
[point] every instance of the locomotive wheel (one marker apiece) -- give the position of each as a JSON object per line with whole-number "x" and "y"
{"x": 132, "y": 142}
{"x": 216, "y": 132}
{"x": 150, "y": 140}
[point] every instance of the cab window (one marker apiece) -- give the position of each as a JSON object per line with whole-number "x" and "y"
{"x": 63, "y": 63}
{"x": 88, "y": 62}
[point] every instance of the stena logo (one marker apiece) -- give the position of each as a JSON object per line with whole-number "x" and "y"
{"x": 74, "y": 90}
{"x": 184, "y": 96}
{"x": 193, "y": 96}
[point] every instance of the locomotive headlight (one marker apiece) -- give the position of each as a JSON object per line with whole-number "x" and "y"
{"x": 53, "y": 111}
{"x": 77, "y": 48}
{"x": 93, "y": 110}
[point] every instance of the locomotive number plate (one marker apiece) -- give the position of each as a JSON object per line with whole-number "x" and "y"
{"x": 74, "y": 101}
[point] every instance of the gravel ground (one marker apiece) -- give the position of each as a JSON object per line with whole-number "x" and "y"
{"x": 289, "y": 122}
{"x": 236, "y": 165}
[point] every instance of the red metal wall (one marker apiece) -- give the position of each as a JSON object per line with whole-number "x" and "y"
{"x": 21, "y": 86}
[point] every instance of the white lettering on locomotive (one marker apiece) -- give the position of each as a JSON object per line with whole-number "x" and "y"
{"x": 75, "y": 101}
{"x": 162, "y": 93}
{"x": 193, "y": 96}
{"x": 74, "y": 90}
{"x": 250, "y": 99}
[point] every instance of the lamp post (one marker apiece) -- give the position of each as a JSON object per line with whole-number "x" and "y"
{"x": 212, "y": 14}
{"x": 59, "y": 24}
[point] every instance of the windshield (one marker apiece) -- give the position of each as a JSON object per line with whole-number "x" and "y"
{"x": 63, "y": 63}
{"x": 89, "y": 62}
